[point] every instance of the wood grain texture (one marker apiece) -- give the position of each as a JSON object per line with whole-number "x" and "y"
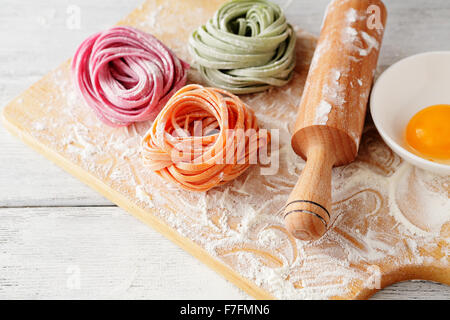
{"x": 340, "y": 78}
{"x": 32, "y": 47}
{"x": 106, "y": 255}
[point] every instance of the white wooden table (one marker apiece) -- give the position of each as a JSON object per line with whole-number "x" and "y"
{"x": 60, "y": 239}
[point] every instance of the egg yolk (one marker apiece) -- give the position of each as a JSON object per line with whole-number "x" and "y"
{"x": 428, "y": 132}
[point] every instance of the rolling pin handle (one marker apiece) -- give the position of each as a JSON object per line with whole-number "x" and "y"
{"x": 307, "y": 212}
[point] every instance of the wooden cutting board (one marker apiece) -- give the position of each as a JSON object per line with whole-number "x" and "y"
{"x": 393, "y": 220}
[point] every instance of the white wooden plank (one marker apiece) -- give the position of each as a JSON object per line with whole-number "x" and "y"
{"x": 35, "y": 39}
{"x": 414, "y": 290}
{"x": 29, "y": 179}
{"x": 45, "y": 250}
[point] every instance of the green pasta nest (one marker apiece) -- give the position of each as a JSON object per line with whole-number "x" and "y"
{"x": 246, "y": 47}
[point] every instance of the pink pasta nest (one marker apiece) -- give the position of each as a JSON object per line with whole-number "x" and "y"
{"x": 126, "y": 75}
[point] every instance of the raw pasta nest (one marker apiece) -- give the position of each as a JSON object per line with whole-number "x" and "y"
{"x": 246, "y": 47}
{"x": 202, "y": 138}
{"x": 126, "y": 75}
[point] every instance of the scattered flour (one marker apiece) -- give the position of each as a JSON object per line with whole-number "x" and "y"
{"x": 371, "y": 42}
{"x": 143, "y": 196}
{"x": 39, "y": 126}
{"x": 352, "y": 15}
{"x": 238, "y": 223}
{"x": 322, "y": 112}
{"x": 152, "y": 18}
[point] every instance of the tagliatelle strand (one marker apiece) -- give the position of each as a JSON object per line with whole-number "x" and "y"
{"x": 202, "y": 138}
{"x": 126, "y": 75}
{"x": 246, "y": 47}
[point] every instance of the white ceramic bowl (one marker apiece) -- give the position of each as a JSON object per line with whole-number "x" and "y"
{"x": 406, "y": 87}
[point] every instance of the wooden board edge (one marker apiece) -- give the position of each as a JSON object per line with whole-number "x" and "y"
{"x": 145, "y": 216}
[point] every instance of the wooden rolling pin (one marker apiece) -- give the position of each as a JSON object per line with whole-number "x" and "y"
{"x": 331, "y": 114}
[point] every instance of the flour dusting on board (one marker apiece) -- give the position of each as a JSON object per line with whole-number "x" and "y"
{"x": 239, "y": 223}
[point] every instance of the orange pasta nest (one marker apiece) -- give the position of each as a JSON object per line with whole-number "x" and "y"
{"x": 202, "y": 138}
